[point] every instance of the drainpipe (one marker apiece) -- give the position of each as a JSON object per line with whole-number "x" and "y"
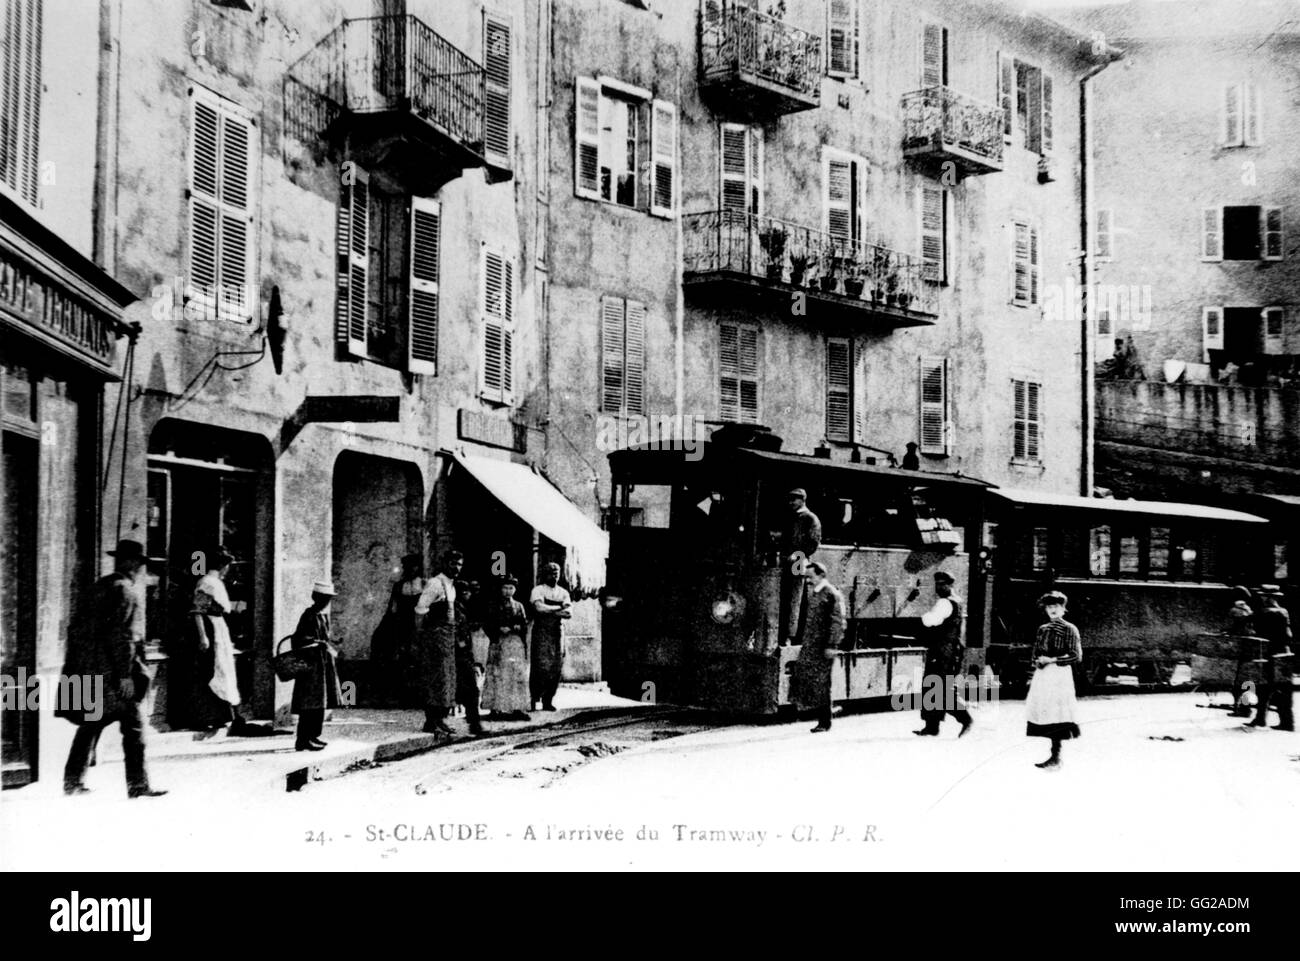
{"x": 679, "y": 267}
{"x": 1088, "y": 434}
{"x": 103, "y": 215}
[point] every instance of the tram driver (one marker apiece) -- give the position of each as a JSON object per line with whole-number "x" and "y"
{"x": 799, "y": 541}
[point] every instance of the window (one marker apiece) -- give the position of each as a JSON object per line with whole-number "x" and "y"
{"x": 842, "y": 196}
{"x": 1099, "y": 551}
{"x": 1241, "y": 124}
{"x": 1273, "y": 317}
{"x": 742, "y": 168}
{"x": 1130, "y": 555}
{"x": 1025, "y": 260}
{"x": 223, "y": 145}
{"x": 1105, "y": 324}
{"x": 1158, "y": 552}
{"x": 621, "y": 132}
{"x": 1242, "y": 233}
{"x": 1025, "y": 95}
{"x": 622, "y": 352}
{"x": 842, "y": 39}
{"x": 1104, "y": 248}
{"x": 497, "y": 58}
{"x": 1211, "y": 330}
{"x": 933, "y": 403}
{"x": 934, "y": 55}
{"x": 1040, "y": 548}
{"x": 388, "y": 249}
{"x": 497, "y": 371}
{"x": 738, "y": 367}
{"x": 1281, "y": 570}
{"x": 1027, "y": 424}
{"x": 934, "y": 206}
{"x": 20, "y": 98}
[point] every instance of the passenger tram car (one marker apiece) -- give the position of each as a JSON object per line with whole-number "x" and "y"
{"x": 691, "y": 611}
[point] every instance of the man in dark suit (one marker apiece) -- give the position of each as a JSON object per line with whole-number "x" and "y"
{"x": 318, "y": 691}
{"x": 1273, "y": 623}
{"x": 799, "y": 541}
{"x": 823, "y": 632}
{"x": 108, "y": 646}
{"x": 943, "y": 661}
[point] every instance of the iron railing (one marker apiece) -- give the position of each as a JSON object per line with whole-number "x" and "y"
{"x": 940, "y": 117}
{"x": 733, "y": 241}
{"x": 383, "y": 64}
{"x": 736, "y": 39}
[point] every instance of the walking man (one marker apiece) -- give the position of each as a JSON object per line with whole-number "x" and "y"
{"x": 551, "y": 608}
{"x": 319, "y": 691}
{"x": 109, "y": 644}
{"x": 437, "y": 636}
{"x": 822, "y": 634}
{"x": 1273, "y": 623}
{"x": 943, "y": 661}
{"x": 799, "y": 541}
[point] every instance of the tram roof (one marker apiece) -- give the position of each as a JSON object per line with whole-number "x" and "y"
{"x": 741, "y": 456}
{"x": 1035, "y": 498}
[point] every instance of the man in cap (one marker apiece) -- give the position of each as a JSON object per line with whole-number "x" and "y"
{"x": 943, "y": 660}
{"x": 799, "y": 541}
{"x": 109, "y": 645}
{"x": 551, "y": 606}
{"x": 1273, "y": 623}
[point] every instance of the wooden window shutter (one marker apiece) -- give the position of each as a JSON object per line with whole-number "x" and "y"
{"x": 1233, "y": 115}
{"x": 586, "y": 148}
{"x": 749, "y": 374}
{"x": 498, "y": 334}
{"x": 422, "y": 320}
{"x": 613, "y": 352}
{"x": 859, "y": 394}
{"x": 934, "y": 55}
{"x": 1047, "y": 115}
{"x": 1031, "y": 419}
{"x": 663, "y": 159}
{"x": 756, "y": 170}
{"x": 1253, "y": 133}
{"x": 354, "y": 262}
{"x": 1212, "y": 233}
{"x": 1105, "y": 244}
{"x": 20, "y": 98}
{"x": 497, "y": 61}
{"x": 839, "y": 199}
{"x": 1211, "y": 329}
{"x": 634, "y": 366}
{"x": 932, "y": 204}
{"x": 933, "y": 388}
{"x": 1271, "y": 218}
{"x": 205, "y": 214}
{"x": 1007, "y": 93}
{"x": 1034, "y": 110}
{"x": 236, "y": 221}
{"x": 1022, "y": 258}
{"x": 738, "y": 368}
{"x": 842, "y": 38}
{"x": 735, "y": 167}
{"x": 839, "y": 388}
{"x": 1273, "y": 317}
{"x": 1035, "y": 255}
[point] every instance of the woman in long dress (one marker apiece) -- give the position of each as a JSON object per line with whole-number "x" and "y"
{"x": 1050, "y": 708}
{"x": 394, "y": 647}
{"x": 216, "y": 691}
{"x": 505, "y": 692}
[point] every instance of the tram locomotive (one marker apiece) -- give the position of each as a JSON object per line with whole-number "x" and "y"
{"x": 692, "y": 604}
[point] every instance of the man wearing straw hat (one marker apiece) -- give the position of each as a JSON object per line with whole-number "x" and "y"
{"x": 318, "y": 691}
{"x": 109, "y": 644}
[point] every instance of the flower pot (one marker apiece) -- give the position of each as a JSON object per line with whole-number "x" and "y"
{"x": 854, "y": 287}
{"x": 774, "y": 271}
{"x": 891, "y": 300}
{"x": 828, "y": 285}
{"x": 904, "y": 300}
{"x": 797, "y": 274}
{"x": 878, "y": 295}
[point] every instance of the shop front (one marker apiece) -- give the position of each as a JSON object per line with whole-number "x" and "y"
{"x": 60, "y": 320}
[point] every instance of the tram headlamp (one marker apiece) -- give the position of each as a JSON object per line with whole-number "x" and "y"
{"x": 611, "y": 601}
{"x": 727, "y": 608}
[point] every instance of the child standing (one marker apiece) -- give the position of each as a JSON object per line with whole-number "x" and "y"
{"x": 1050, "y": 706}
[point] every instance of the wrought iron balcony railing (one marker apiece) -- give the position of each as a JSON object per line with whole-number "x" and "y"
{"x": 778, "y": 254}
{"x": 941, "y": 124}
{"x": 395, "y": 65}
{"x": 771, "y": 66}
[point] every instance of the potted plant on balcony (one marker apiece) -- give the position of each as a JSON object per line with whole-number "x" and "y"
{"x": 772, "y": 241}
{"x": 879, "y": 271}
{"x": 799, "y": 267}
{"x": 891, "y": 288}
{"x": 854, "y": 280}
{"x": 830, "y": 273}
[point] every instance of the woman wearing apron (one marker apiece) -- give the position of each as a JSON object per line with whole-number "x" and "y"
{"x": 1050, "y": 706}
{"x": 505, "y": 693}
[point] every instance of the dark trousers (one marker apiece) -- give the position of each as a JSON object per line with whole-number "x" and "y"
{"x": 543, "y": 685}
{"x": 1278, "y": 693}
{"x": 87, "y": 739}
{"x": 824, "y": 715}
{"x": 310, "y": 725}
{"x": 953, "y": 703}
{"x": 792, "y": 597}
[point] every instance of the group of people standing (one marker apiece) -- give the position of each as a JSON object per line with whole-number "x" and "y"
{"x": 1262, "y": 615}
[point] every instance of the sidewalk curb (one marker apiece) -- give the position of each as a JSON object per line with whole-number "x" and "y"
{"x": 411, "y": 745}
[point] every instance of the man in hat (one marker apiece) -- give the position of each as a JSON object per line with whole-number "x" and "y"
{"x": 437, "y": 642}
{"x": 318, "y": 691}
{"x": 823, "y": 631}
{"x": 1273, "y": 623}
{"x": 943, "y": 660}
{"x": 799, "y": 541}
{"x": 551, "y": 608}
{"x": 109, "y": 645}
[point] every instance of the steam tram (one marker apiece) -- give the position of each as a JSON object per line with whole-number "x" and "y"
{"x": 692, "y": 602}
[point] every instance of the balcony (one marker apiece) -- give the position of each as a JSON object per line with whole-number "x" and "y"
{"x": 395, "y": 96}
{"x": 756, "y": 64}
{"x": 733, "y": 256}
{"x": 942, "y": 125}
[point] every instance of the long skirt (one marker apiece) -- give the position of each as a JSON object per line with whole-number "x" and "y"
{"x": 1050, "y": 707}
{"x": 506, "y": 687}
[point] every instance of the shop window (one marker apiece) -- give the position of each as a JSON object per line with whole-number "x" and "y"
{"x": 1130, "y": 555}
{"x": 1158, "y": 552}
{"x": 1099, "y": 551}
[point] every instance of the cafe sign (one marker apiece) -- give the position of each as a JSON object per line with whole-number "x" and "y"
{"x": 54, "y": 314}
{"x": 492, "y": 431}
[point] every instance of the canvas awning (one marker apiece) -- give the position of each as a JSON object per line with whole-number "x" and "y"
{"x": 541, "y": 505}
